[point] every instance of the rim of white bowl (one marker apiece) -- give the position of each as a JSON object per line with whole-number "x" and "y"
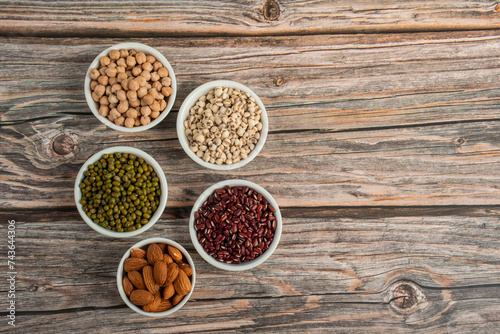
{"x": 245, "y": 265}
{"x": 120, "y": 272}
{"x": 190, "y": 102}
{"x": 147, "y": 50}
{"x": 140, "y": 154}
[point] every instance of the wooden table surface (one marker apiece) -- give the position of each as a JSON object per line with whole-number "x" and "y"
{"x": 383, "y": 155}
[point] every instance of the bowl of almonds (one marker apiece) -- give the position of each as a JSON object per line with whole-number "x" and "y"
{"x": 156, "y": 277}
{"x": 130, "y": 87}
{"x": 222, "y": 125}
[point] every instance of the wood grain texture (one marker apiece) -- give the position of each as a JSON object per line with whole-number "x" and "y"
{"x": 328, "y": 274}
{"x": 227, "y": 17}
{"x": 359, "y": 121}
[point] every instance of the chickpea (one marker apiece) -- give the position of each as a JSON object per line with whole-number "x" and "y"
{"x": 160, "y": 97}
{"x": 123, "y": 53}
{"x": 133, "y": 85}
{"x": 108, "y": 90}
{"x": 103, "y": 111}
{"x": 93, "y": 84}
{"x": 131, "y": 61}
{"x": 103, "y": 80}
{"x": 155, "y": 106}
{"x": 132, "y": 52}
{"x": 95, "y": 97}
{"x": 148, "y": 67}
{"x": 122, "y": 107}
{"x": 141, "y": 92}
{"x": 163, "y": 72}
{"x": 120, "y": 69}
{"x": 167, "y": 91}
{"x": 112, "y": 99}
{"x": 155, "y": 76}
{"x": 100, "y": 90}
{"x": 153, "y": 92}
{"x": 131, "y": 95}
{"x": 146, "y": 111}
{"x": 157, "y": 85}
{"x": 124, "y": 84}
{"x": 116, "y": 88}
{"x": 146, "y": 75}
{"x": 121, "y": 95}
{"x": 136, "y": 71}
{"x": 166, "y": 81}
{"x": 163, "y": 105}
{"x": 147, "y": 100}
{"x": 114, "y": 114}
{"x": 132, "y": 113}
{"x": 102, "y": 70}
{"x": 94, "y": 74}
{"x": 104, "y": 61}
{"x": 145, "y": 120}
{"x": 157, "y": 65}
{"x": 112, "y": 81}
{"x": 137, "y": 122}
{"x": 120, "y": 120}
{"x": 155, "y": 114}
{"x": 129, "y": 122}
{"x": 121, "y": 63}
{"x": 150, "y": 59}
{"x": 135, "y": 103}
{"x": 114, "y": 54}
{"x": 140, "y": 57}
{"x": 112, "y": 64}
{"x": 141, "y": 80}
{"x": 104, "y": 100}
{"x": 111, "y": 72}
{"x": 121, "y": 76}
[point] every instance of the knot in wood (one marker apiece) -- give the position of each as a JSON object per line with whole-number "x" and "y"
{"x": 279, "y": 81}
{"x": 497, "y": 7}
{"x": 271, "y": 10}
{"x": 63, "y": 145}
{"x": 404, "y": 296}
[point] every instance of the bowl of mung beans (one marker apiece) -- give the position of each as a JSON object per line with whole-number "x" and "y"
{"x": 121, "y": 191}
{"x": 222, "y": 125}
{"x": 130, "y": 87}
{"x": 235, "y": 225}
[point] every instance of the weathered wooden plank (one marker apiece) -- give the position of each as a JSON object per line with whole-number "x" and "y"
{"x": 361, "y": 120}
{"x": 146, "y": 19}
{"x": 327, "y": 273}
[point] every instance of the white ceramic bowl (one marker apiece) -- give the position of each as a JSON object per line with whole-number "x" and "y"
{"x": 191, "y": 100}
{"x": 143, "y": 245}
{"x": 140, "y": 154}
{"x": 148, "y": 51}
{"x": 240, "y": 266}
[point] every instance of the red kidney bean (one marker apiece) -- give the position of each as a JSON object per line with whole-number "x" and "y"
{"x": 235, "y": 224}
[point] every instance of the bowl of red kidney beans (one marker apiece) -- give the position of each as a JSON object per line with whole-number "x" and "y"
{"x": 235, "y": 225}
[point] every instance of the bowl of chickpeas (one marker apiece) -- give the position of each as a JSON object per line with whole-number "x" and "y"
{"x": 130, "y": 87}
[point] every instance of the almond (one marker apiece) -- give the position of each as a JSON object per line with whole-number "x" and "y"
{"x": 139, "y": 253}
{"x": 160, "y": 272}
{"x": 175, "y": 254}
{"x": 134, "y": 263}
{"x": 165, "y": 305}
{"x": 163, "y": 247}
{"x": 182, "y": 284}
{"x": 127, "y": 286}
{"x": 176, "y": 299}
{"x": 149, "y": 281}
{"x": 154, "y": 253}
{"x": 167, "y": 258}
{"x": 172, "y": 272}
{"x": 141, "y": 297}
{"x": 186, "y": 268}
{"x": 153, "y": 306}
{"x": 169, "y": 291}
{"x": 136, "y": 279}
